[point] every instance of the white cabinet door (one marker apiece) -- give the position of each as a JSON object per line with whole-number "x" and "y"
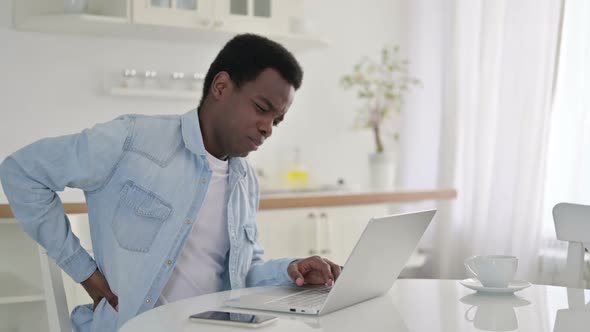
{"x": 257, "y": 16}
{"x": 244, "y": 15}
{"x": 286, "y": 233}
{"x": 328, "y": 232}
{"x": 174, "y": 13}
{"x": 266, "y": 17}
{"x": 340, "y": 228}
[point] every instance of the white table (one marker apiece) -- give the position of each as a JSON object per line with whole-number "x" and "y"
{"x": 412, "y": 305}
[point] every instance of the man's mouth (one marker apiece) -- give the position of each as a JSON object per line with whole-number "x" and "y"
{"x": 257, "y": 142}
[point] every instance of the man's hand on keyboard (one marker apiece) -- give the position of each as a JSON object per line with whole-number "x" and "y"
{"x": 313, "y": 270}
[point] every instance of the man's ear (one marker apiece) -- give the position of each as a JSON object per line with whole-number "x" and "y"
{"x": 221, "y": 85}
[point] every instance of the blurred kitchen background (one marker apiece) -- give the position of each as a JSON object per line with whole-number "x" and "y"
{"x": 491, "y": 135}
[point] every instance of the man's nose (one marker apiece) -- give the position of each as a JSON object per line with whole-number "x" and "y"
{"x": 265, "y": 128}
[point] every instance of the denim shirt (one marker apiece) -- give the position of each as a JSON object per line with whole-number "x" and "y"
{"x": 144, "y": 179}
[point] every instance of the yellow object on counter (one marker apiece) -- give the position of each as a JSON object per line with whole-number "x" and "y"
{"x": 297, "y": 178}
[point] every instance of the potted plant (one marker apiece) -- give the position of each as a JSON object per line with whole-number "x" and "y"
{"x": 382, "y": 86}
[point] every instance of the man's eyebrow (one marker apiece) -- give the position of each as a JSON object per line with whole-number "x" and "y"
{"x": 267, "y": 102}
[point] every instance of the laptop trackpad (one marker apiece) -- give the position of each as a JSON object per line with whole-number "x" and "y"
{"x": 270, "y": 294}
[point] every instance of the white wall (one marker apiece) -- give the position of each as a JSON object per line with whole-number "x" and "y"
{"x": 53, "y": 85}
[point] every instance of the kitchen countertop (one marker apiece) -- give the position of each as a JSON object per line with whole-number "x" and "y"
{"x": 288, "y": 200}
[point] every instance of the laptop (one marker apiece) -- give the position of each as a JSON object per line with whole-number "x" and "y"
{"x": 370, "y": 271}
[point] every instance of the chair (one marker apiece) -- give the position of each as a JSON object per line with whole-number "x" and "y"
{"x": 56, "y": 303}
{"x": 572, "y": 224}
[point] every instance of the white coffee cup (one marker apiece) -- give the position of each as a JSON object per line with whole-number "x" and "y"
{"x": 493, "y": 271}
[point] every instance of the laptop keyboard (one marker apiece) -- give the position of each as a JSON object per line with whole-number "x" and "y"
{"x": 305, "y": 299}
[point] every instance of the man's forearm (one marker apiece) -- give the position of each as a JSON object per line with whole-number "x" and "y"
{"x": 272, "y": 272}
{"x": 41, "y": 214}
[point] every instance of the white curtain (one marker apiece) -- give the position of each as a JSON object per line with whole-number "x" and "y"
{"x": 568, "y": 176}
{"x": 498, "y": 87}
{"x": 568, "y": 165}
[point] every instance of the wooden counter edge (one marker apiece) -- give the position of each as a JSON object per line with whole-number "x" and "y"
{"x": 303, "y": 201}
{"x": 347, "y": 199}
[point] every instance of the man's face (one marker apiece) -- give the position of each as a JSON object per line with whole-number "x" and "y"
{"x": 251, "y": 112}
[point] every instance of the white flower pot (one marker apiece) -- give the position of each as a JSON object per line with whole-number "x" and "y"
{"x": 382, "y": 169}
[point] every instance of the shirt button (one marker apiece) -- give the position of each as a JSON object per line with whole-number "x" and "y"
{"x": 148, "y": 300}
{"x": 169, "y": 262}
{"x": 187, "y": 221}
{"x": 203, "y": 181}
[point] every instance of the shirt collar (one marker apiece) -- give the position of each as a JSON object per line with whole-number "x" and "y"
{"x": 193, "y": 140}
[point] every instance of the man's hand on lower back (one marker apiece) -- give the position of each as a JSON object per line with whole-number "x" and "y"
{"x": 97, "y": 287}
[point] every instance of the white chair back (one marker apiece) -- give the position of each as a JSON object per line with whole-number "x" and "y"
{"x": 572, "y": 224}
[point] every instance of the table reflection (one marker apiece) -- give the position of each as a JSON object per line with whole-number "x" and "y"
{"x": 493, "y": 312}
{"x": 575, "y": 318}
{"x": 380, "y": 311}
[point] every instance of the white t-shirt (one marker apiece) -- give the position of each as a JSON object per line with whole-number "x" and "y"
{"x": 201, "y": 263}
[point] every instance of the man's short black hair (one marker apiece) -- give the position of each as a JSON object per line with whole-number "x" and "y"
{"x": 245, "y": 56}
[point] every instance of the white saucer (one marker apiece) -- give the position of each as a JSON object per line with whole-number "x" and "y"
{"x": 513, "y": 286}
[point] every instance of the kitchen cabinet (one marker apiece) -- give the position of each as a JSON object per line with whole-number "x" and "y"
{"x": 190, "y": 21}
{"x": 197, "y": 14}
{"x": 329, "y": 232}
{"x": 258, "y": 16}
{"x": 31, "y": 287}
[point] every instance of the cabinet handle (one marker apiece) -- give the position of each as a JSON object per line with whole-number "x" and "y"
{"x": 218, "y": 24}
{"x": 313, "y": 218}
{"x": 205, "y": 22}
{"x": 327, "y": 234}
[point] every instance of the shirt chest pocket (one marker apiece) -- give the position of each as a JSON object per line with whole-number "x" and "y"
{"x": 138, "y": 217}
{"x": 247, "y": 247}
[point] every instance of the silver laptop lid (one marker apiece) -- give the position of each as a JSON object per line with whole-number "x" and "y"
{"x": 378, "y": 258}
